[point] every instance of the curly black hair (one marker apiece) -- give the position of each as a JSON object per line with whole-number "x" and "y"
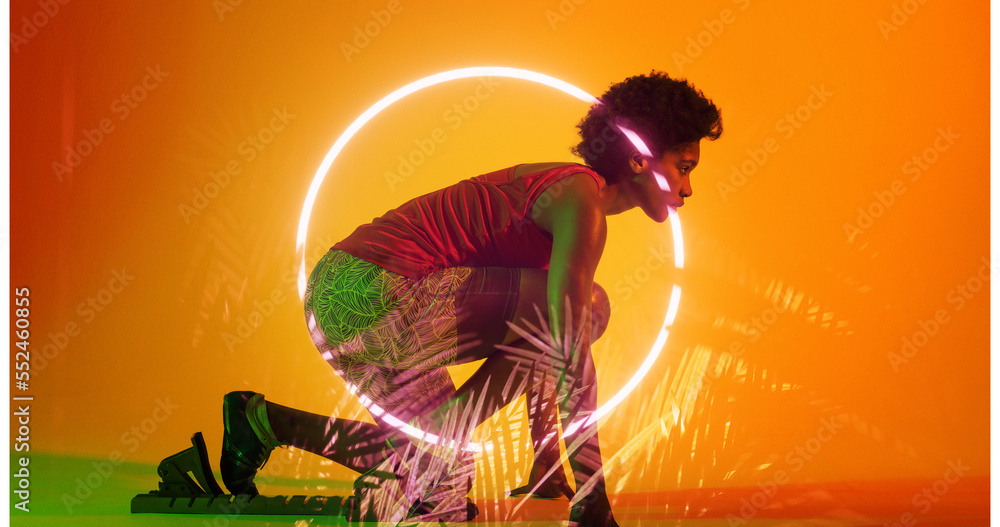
{"x": 667, "y": 113}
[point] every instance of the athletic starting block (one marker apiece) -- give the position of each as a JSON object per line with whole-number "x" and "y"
{"x": 187, "y": 486}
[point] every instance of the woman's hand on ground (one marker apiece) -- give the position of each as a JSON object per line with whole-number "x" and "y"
{"x": 592, "y": 511}
{"x": 552, "y": 488}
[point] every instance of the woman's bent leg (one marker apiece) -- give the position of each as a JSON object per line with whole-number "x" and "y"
{"x": 479, "y": 306}
{"x": 518, "y": 366}
{"x": 356, "y": 445}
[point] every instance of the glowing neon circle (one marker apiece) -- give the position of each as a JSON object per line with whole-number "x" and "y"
{"x": 515, "y": 73}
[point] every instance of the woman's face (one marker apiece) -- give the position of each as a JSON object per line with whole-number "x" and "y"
{"x": 665, "y": 182}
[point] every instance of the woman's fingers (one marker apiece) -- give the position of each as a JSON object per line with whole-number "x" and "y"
{"x": 553, "y": 488}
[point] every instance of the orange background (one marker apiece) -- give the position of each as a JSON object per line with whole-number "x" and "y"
{"x": 778, "y": 235}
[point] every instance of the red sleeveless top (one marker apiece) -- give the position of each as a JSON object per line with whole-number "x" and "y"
{"x": 478, "y": 222}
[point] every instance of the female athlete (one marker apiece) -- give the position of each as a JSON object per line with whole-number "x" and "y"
{"x": 458, "y": 275}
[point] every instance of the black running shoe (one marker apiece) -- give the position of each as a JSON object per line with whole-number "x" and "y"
{"x": 243, "y": 453}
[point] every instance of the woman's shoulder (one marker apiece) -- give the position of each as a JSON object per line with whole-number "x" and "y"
{"x": 537, "y": 176}
{"x": 543, "y": 175}
{"x": 560, "y": 167}
{"x": 534, "y": 168}
{"x": 575, "y": 190}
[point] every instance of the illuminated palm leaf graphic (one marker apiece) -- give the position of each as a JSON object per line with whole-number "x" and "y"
{"x": 690, "y": 432}
{"x": 234, "y": 246}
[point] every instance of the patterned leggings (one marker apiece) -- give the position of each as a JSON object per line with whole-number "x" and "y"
{"x": 392, "y": 336}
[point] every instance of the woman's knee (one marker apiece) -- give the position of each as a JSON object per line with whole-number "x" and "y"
{"x": 600, "y": 312}
{"x": 531, "y": 300}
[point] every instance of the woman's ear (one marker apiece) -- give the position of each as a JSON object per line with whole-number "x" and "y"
{"x": 636, "y": 162}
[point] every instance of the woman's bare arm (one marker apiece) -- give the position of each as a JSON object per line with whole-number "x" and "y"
{"x": 577, "y": 222}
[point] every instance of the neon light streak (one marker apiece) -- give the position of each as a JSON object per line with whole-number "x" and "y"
{"x": 661, "y": 339}
{"x": 494, "y": 71}
{"x": 636, "y": 141}
{"x": 413, "y": 87}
